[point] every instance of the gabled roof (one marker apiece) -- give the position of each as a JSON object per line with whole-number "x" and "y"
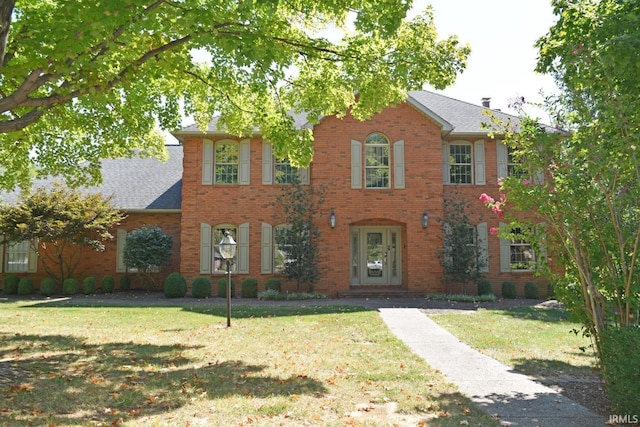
{"x": 135, "y": 183}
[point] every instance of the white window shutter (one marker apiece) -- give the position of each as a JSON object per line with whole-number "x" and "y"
{"x": 244, "y": 173}
{"x": 32, "y": 260}
{"x": 1, "y": 253}
{"x": 205, "y": 249}
{"x": 479, "y": 159}
{"x": 243, "y": 248}
{"x": 121, "y": 239}
{"x": 483, "y": 247}
{"x": 267, "y": 163}
{"x": 538, "y": 177}
{"x": 445, "y": 164}
{"x": 266, "y": 261}
{"x": 503, "y": 159}
{"x": 303, "y": 176}
{"x": 356, "y": 164}
{"x": 398, "y": 164}
{"x": 505, "y": 254}
{"x": 207, "y": 162}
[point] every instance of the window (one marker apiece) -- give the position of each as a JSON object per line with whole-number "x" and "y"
{"x": 284, "y": 173}
{"x": 219, "y": 263}
{"x": 276, "y": 171}
{"x": 376, "y": 155}
{"x": 474, "y": 239}
{"x": 283, "y": 244}
{"x": 460, "y": 164}
{"x": 226, "y": 163}
{"x": 515, "y": 167}
{"x": 516, "y": 254}
{"x": 17, "y": 259}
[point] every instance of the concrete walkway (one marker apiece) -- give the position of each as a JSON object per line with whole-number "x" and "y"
{"x": 513, "y": 398}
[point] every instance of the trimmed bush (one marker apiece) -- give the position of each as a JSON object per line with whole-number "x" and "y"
{"x": 222, "y": 287}
{"x": 48, "y": 287}
{"x": 271, "y": 294}
{"x": 125, "y": 283}
{"x": 10, "y": 284}
{"x": 201, "y": 288}
{"x": 70, "y": 286}
{"x": 108, "y": 283}
{"x": 89, "y": 285}
{"x": 249, "y": 288}
{"x": 175, "y": 286}
{"x": 273, "y": 284}
{"x": 509, "y": 290}
{"x": 531, "y": 290}
{"x": 25, "y": 286}
{"x": 620, "y": 359}
{"x": 484, "y": 287}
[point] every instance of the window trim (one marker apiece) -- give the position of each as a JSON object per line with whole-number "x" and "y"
{"x": 31, "y": 265}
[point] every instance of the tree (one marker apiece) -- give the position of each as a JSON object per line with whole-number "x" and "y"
{"x": 147, "y": 249}
{"x": 83, "y": 81}
{"x": 58, "y": 224}
{"x": 589, "y": 199}
{"x": 299, "y": 203}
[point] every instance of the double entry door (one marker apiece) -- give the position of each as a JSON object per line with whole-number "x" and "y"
{"x": 375, "y": 256}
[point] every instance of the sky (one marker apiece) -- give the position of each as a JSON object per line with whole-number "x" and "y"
{"x": 501, "y": 34}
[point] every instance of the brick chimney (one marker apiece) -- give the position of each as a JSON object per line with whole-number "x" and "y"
{"x": 486, "y": 102}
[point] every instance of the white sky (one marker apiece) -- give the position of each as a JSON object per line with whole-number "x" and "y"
{"x": 501, "y": 34}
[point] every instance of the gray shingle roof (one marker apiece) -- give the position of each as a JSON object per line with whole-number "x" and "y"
{"x": 135, "y": 184}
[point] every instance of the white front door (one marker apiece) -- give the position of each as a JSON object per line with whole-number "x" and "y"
{"x": 375, "y": 256}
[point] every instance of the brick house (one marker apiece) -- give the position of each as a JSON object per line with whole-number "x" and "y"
{"x": 384, "y": 180}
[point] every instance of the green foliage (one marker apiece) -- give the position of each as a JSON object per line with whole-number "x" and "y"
{"x": 125, "y": 283}
{"x": 89, "y": 285}
{"x": 271, "y": 294}
{"x": 175, "y": 286}
{"x": 108, "y": 284}
{"x": 305, "y": 296}
{"x": 48, "y": 287}
{"x": 201, "y": 287}
{"x": 462, "y": 298}
{"x": 509, "y": 290}
{"x": 25, "y": 286}
{"x": 620, "y": 360}
{"x": 63, "y": 221}
{"x": 485, "y": 287}
{"x": 300, "y": 203}
{"x": 147, "y": 249}
{"x": 249, "y": 288}
{"x": 274, "y": 284}
{"x": 70, "y": 286}
{"x": 222, "y": 286}
{"x": 10, "y": 284}
{"x": 73, "y": 96}
{"x": 531, "y": 290}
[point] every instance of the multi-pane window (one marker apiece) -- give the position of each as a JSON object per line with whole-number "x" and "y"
{"x": 17, "y": 257}
{"x": 283, "y": 244}
{"x": 377, "y": 161}
{"x": 217, "y": 234}
{"x": 522, "y": 255}
{"x": 460, "y": 164}
{"x": 514, "y": 166}
{"x": 226, "y": 163}
{"x": 284, "y": 172}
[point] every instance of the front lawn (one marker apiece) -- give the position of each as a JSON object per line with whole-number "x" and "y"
{"x": 166, "y": 366}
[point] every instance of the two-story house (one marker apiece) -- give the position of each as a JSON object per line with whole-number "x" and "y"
{"x": 381, "y": 222}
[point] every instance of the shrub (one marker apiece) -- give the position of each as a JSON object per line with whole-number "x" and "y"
{"x": 531, "y": 290}
{"x": 25, "y": 286}
{"x": 89, "y": 285}
{"x": 249, "y": 288}
{"x": 10, "y": 284}
{"x": 305, "y": 295}
{"x": 274, "y": 284}
{"x": 175, "y": 286}
{"x": 107, "y": 285}
{"x": 485, "y": 287}
{"x": 509, "y": 290}
{"x": 125, "y": 283}
{"x": 48, "y": 287}
{"x": 551, "y": 292}
{"x": 201, "y": 288}
{"x": 270, "y": 294}
{"x": 70, "y": 286}
{"x": 620, "y": 359}
{"x": 222, "y": 287}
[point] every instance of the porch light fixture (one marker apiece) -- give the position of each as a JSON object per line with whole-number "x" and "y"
{"x": 228, "y": 251}
{"x": 425, "y": 219}
{"x": 332, "y": 219}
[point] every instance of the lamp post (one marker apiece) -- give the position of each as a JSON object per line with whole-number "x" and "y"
{"x": 227, "y": 252}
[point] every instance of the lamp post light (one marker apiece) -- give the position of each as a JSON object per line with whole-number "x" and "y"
{"x": 227, "y": 252}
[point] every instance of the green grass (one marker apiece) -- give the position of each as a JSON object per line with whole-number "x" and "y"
{"x": 534, "y": 341}
{"x": 166, "y": 366}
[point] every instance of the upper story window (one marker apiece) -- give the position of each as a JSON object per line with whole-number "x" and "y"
{"x": 226, "y": 162}
{"x": 284, "y": 173}
{"x": 376, "y": 155}
{"x": 460, "y": 164}
{"x": 276, "y": 171}
{"x": 514, "y": 166}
